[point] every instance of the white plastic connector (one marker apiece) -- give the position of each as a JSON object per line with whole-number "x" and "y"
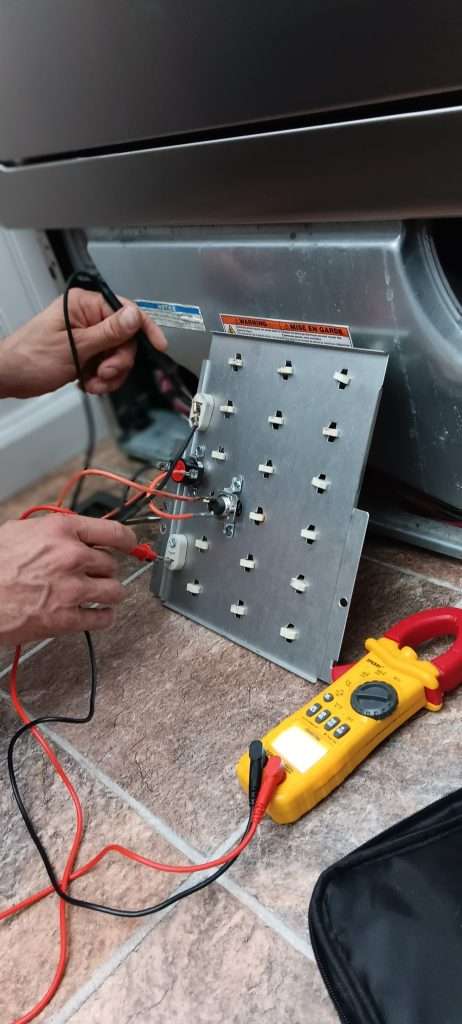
{"x": 320, "y": 483}
{"x": 276, "y": 421}
{"x": 236, "y": 362}
{"x": 299, "y": 585}
{"x": 342, "y": 377}
{"x": 286, "y": 371}
{"x": 264, "y": 468}
{"x": 257, "y": 517}
{"x": 202, "y": 407}
{"x": 247, "y": 563}
{"x": 218, "y": 454}
{"x": 309, "y": 533}
{"x": 176, "y": 550}
{"x": 330, "y": 432}
{"x": 193, "y": 587}
{"x": 238, "y": 609}
{"x": 228, "y": 409}
{"x": 201, "y": 544}
{"x": 288, "y": 632}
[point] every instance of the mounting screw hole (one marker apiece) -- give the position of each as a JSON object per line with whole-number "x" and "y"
{"x": 343, "y": 602}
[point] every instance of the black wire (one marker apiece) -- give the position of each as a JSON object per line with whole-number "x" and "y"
{"x": 87, "y": 904}
{"x": 84, "y": 280}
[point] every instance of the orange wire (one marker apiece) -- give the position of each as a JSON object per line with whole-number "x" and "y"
{"x": 68, "y": 874}
{"x": 117, "y": 478}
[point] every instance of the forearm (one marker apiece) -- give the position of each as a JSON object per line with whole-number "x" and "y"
{"x": 10, "y": 372}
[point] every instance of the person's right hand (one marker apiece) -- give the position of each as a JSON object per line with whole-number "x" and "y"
{"x": 53, "y": 566}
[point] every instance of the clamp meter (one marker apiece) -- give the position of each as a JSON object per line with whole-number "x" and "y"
{"x": 325, "y": 740}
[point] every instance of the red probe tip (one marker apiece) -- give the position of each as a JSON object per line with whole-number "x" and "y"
{"x": 144, "y": 553}
{"x": 273, "y": 774}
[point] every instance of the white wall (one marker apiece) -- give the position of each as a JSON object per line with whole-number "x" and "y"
{"x": 39, "y": 434}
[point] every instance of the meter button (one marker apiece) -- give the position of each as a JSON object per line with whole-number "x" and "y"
{"x": 322, "y": 715}
{"x": 341, "y": 731}
{"x": 328, "y": 697}
{"x": 332, "y": 723}
{"x": 374, "y": 699}
{"x": 313, "y": 710}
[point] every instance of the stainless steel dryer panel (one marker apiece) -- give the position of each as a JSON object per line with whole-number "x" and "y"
{"x": 310, "y": 400}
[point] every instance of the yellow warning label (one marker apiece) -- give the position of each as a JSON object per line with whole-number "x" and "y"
{"x": 282, "y": 330}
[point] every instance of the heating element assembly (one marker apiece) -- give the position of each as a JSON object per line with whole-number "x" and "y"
{"x": 283, "y": 432}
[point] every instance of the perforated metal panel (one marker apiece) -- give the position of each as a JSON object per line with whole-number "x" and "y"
{"x": 299, "y": 441}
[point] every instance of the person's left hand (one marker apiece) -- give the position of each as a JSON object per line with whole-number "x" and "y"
{"x": 37, "y": 358}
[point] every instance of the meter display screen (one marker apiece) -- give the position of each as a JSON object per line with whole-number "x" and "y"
{"x": 298, "y": 748}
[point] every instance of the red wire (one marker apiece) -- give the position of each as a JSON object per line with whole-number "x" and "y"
{"x": 69, "y": 874}
{"x": 61, "y": 965}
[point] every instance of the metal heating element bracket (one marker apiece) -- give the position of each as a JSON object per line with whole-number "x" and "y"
{"x": 280, "y": 579}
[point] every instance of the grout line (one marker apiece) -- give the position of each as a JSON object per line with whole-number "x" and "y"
{"x": 28, "y": 654}
{"x": 106, "y": 969}
{"x": 269, "y": 918}
{"x": 158, "y": 825}
{"x": 417, "y": 575}
{"x": 134, "y": 575}
{"x": 44, "y": 643}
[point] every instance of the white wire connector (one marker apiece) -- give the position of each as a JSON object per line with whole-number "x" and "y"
{"x": 228, "y": 409}
{"x": 267, "y": 469}
{"x": 219, "y": 454}
{"x": 247, "y": 563}
{"x": 201, "y": 413}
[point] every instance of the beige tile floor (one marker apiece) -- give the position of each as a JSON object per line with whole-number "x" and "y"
{"x": 176, "y": 706}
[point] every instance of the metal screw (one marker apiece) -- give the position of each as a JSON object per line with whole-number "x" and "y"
{"x": 200, "y": 451}
{"x": 229, "y": 530}
{"x": 172, "y": 542}
{"x": 236, "y": 483}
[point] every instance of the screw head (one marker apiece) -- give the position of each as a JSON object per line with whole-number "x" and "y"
{"x": 229, "y": 530}
{"x": 200, "y": 451}
{"x": 236, "y": 483}
{"x": 172, "y": 542}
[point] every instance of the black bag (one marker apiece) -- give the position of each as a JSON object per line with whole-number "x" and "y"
{"x": 386, "y": 923}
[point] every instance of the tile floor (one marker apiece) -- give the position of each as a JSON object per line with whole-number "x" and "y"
{"x": 155, "y": 769}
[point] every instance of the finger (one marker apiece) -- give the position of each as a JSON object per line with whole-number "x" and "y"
{"x": 91, "y": 619}
{"x": 103, "y": 591}
{"x": 100, "y": 564}
{"x": 154, "y": 333}
{"x": 110, "y": 332}
{"x": 119, "y": 362}
{"x": 103, "y": 533}
{"x": 95, "y": 386}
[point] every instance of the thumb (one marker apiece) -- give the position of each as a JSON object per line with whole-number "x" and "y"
{"x": 111, "y": 332}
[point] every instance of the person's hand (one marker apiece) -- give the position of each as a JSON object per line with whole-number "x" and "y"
{"x": 50, "y": 568}
{"x": 37, "y": 358}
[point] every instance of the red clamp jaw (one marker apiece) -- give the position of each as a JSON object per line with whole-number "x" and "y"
{"x": 421, "y": 628}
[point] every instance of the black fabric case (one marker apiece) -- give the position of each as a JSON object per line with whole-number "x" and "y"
{"x": 386, "y": 923}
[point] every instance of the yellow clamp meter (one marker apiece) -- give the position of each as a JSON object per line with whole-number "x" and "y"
{"x": 325, "y": 740}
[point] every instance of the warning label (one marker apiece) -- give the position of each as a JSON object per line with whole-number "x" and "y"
{"x": 173, "y": 314}
{"x": 282, "y": 330}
